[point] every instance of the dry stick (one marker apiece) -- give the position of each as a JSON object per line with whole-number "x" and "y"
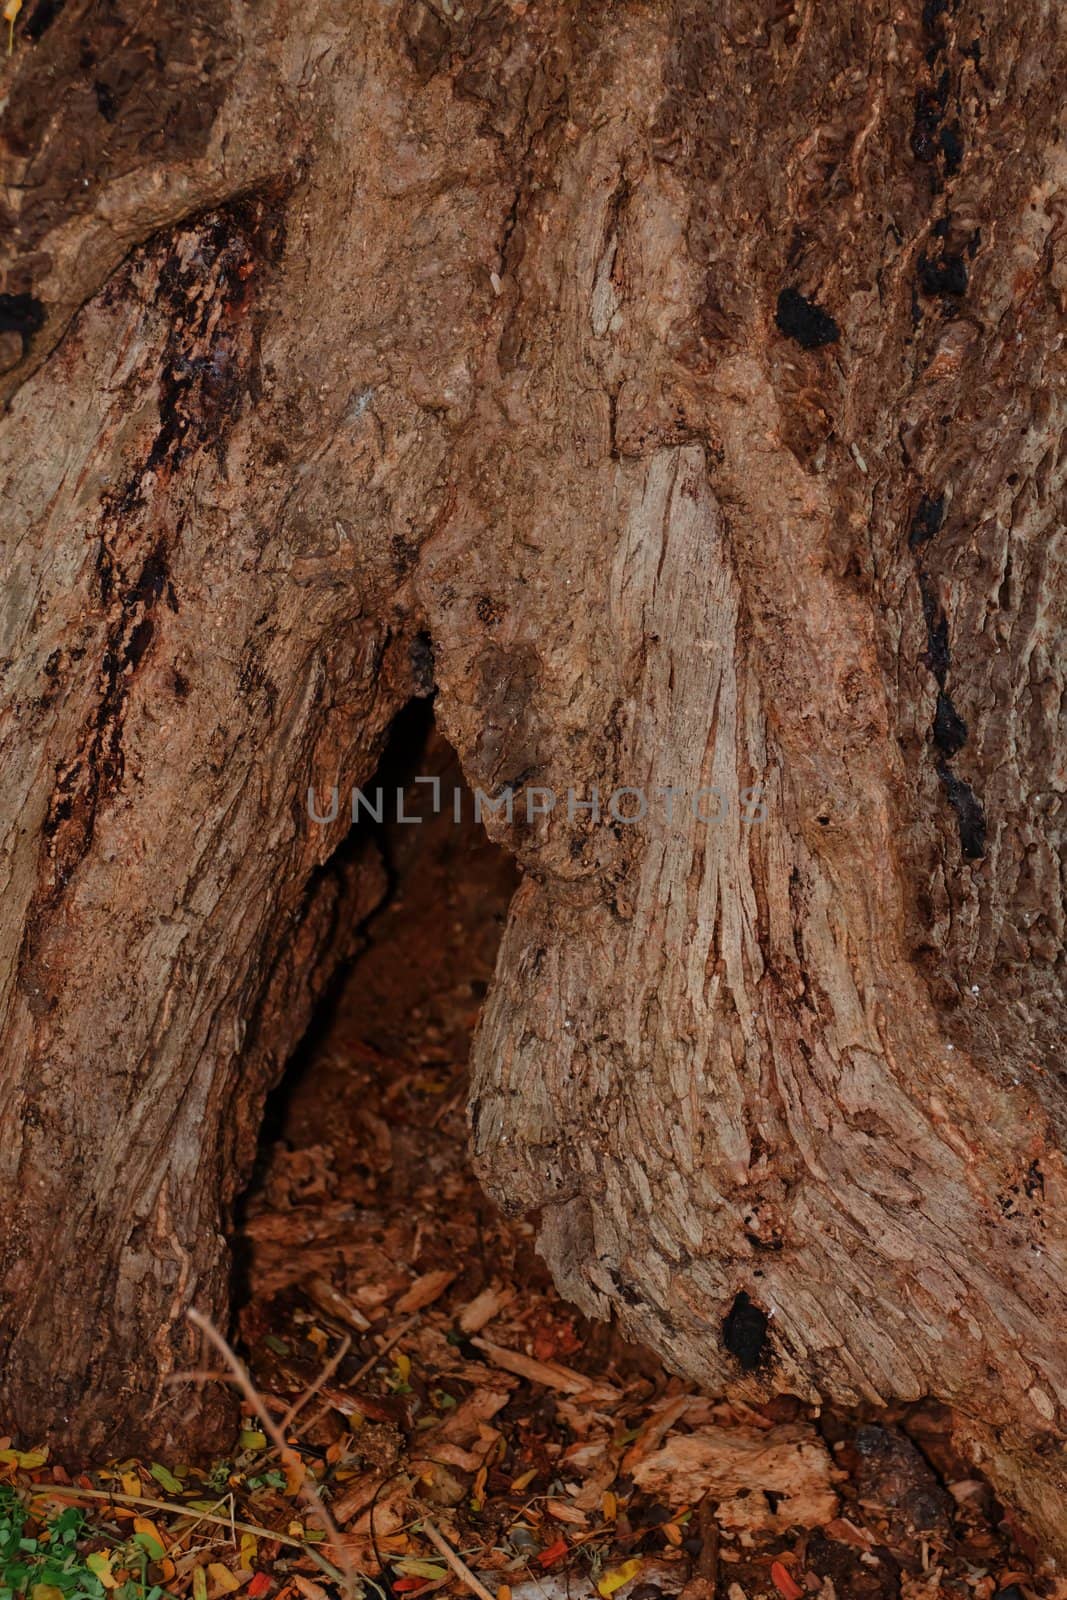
{"x": 191, "y": 1529}
{"x": 50, "y": 1490}
{"x": 307, "y": 1493}
{"x": 708, "y": 1559}
{"x": 368, "y": 1366}
{"x": 302, "y": 1399}
{"x": 458, "y": 1565}
{"x": 313, "y": 1388}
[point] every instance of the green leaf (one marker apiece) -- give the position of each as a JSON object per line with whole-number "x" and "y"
{"x": 166, "y": 1478}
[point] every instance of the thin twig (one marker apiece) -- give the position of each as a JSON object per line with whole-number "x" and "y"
{"x": 73, "y": 1492}
{"x": 456, "y": 1562}
{"x": 259, "y": 1461}
{"x": 305, "y": 1487}
{"x": 368, "y": 1366}
{"x": 313, "y": 1388}
{"x": 372, "y": 1361}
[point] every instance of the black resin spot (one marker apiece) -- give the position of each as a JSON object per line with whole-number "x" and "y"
{"x": 804, "y": 321}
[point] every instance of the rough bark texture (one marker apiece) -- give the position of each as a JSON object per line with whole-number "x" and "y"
{"x": 331, "y": 328}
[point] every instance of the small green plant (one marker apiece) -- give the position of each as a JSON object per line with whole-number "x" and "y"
{"x": 52, "y": 1563}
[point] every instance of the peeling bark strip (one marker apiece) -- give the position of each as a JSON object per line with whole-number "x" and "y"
{"x": 677, "y": 391}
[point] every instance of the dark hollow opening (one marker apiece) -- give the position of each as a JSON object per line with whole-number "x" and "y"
{"x": 372, "y": 1104}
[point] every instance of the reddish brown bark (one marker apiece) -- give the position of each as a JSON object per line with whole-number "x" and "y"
{"x": 690, "y": 378}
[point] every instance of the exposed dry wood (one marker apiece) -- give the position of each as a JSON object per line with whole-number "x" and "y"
{"x": 791, "y": 1461}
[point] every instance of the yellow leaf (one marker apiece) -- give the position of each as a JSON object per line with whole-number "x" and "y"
{"x": 415, "y": 1567}
{"x": 504, "y": 1592}
{"x": 199, "y": 1584}
{"x": 403, "y": 1365}
{"x": 249, "y": 1549}
{"x": 610, "y": 1506}
{"x": 524, "y": 1480}
{"x": 27, "y": 1459}
{"x": 672, "y": 1533}
{"x": 252, "y": 1439}
{"x": 616, "y": 1577}
{"x": 99, "y": 1564}
{"x": 131, "y": 1484}
{"x": 222, "y": 1577}
{"x": 45, "y": 1591}
{"x": 146, "y": 1525}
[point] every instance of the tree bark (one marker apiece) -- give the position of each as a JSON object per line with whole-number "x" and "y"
{"x": 692, "y": 379}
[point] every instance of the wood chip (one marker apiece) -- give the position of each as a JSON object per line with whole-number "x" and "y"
{"x": 335, "y": 1304}
{"x": 550, "y": 1373}
{"x": 424, "y": 1291}
{"x": 565, "y": 1512}
{"x": 656, "y": 1430}
{"x": 480, "y": 1311}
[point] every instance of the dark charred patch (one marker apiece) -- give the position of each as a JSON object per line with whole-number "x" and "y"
{"x": 405, "y": 554}
{"x": 204, "y": 275}
{"x": 970, "y": 814}
{"x": 157, "y": 82}
{"x": 803, "y": 320}
{"x": 423, "y": 666}
{"x": 945, "y": 275}
{"x": 625, "y": 1291}
{"x": 950, "y": 730}
{"x": 952, "y": 148}
{"x": 930, "y": 106}
{"x": 106, "y": 102}
{"x": 933, "y": 11}
{"x": 927, "y": 520}
{"x": 938, "y": 655}
{"x": 41, "y": 18}
{"x": 151, "y": 581}
{"x": 744, "y": 1332}
{"x": 1034, "y": 1182}
{"x": 22, "y": 314}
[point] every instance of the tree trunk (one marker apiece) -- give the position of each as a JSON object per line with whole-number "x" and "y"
{"x": 690, "y": 378}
